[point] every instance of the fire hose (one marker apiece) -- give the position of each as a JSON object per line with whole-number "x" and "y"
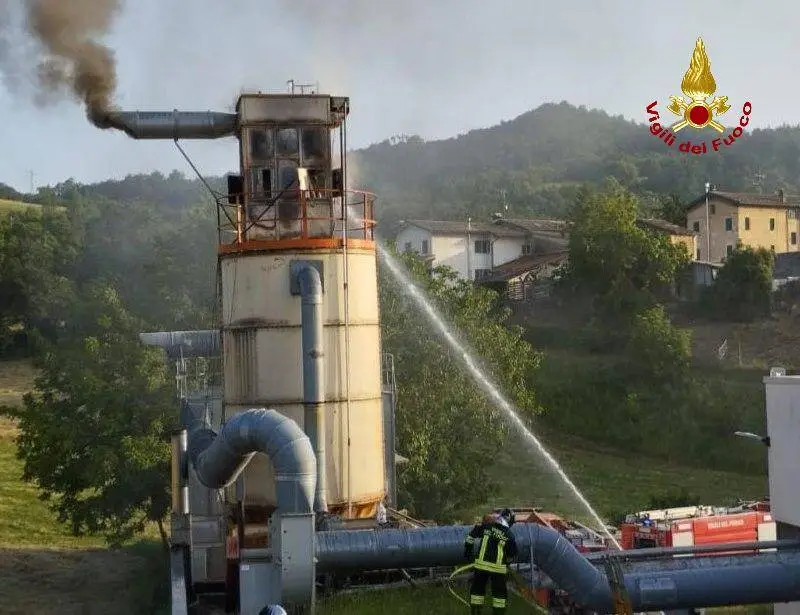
{"x": 519, "y": 584}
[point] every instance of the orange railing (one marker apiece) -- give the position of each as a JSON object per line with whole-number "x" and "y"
{"x": 296, "y": 214}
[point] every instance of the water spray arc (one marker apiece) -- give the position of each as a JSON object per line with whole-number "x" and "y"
{"x": 485, "y": 383}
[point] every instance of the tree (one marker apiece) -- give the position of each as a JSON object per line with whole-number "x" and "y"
{"x": 94, "y": 434}
{"x": 656, "y": 349}
{"x": 672, "y": 210}
{"x": 743, "y": 288}
{"x": 37, "y": 252}
{"x": 621, "y": 266}
{"x": 448, "y": 429}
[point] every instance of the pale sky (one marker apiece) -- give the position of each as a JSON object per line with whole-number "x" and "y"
{"x": 435, "y": 68}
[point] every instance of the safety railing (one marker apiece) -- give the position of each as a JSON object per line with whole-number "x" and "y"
{"x": 296, "y": 214}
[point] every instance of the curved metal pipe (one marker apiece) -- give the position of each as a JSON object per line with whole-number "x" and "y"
{"x": 178, "y": 344}
{"x": 219, "y": 459}
{"x": 679, "y": 583}
{"x": 173, "y": 124}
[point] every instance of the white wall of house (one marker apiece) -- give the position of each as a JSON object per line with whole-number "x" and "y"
{"x": 414, "y": 238}
{"x": 451, "y": 250}
{"x": 507, "y": 249}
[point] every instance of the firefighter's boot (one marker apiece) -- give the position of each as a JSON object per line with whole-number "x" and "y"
{"x": 475, "y": 609}
{"x": 499, "y": 610}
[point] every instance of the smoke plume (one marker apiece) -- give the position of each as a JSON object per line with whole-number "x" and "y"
{"x": 71, "y": 59}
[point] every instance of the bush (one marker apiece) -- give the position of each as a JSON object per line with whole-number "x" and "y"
{"x": 743, "y": 289}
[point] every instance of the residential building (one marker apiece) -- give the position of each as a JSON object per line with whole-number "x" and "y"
{"x": 474, "y": 248}
{"x": 770, "y": 221}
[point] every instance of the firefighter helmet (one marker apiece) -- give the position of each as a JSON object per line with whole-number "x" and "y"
{"x": 508, "y": 515}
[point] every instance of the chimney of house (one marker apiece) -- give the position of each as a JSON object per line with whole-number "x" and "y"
{"x": 782, "y": 195}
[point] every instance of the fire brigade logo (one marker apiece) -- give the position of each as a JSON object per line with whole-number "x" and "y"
{"x": 698, "y": 85}
{"x": 697, "y": 109}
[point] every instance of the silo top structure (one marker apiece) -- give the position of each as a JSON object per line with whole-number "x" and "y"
{"x": 288, "y": 189}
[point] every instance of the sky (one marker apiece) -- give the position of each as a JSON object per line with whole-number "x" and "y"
{"x": 436, "y": 68}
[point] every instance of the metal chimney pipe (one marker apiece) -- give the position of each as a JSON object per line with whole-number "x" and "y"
{"x": 311, "y": 317}
{"x": 173, "y": 124}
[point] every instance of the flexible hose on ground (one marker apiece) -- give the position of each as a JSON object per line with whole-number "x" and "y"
{"x": 521, "y": 588}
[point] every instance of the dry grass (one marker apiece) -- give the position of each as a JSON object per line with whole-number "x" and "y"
{"x": 79, "y": 582}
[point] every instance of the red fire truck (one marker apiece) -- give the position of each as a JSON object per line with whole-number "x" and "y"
{"x": 698, "y": 525}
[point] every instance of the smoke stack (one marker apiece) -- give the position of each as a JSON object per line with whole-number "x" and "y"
{"x": 782, "y": 195}
{"x": 171, "y": 124}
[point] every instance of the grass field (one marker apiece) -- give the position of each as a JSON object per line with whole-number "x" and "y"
{"x": 44, "y": 568}
{"x": 42, "y": 564}
{"x": 8, "y": 207}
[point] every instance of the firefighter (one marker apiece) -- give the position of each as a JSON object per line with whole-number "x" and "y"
{"x": 496, "y": 548}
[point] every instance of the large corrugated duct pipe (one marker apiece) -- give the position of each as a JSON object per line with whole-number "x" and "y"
{"x": 694, "y": 582}
{"x": 309, "y": 282}
{"x": 177, "y": 344}
{"x": 219, "y": 459}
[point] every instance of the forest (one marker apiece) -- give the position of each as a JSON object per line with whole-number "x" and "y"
{"x": 88, "y": 266}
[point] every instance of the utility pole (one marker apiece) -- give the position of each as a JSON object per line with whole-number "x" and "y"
{"x": 469, "y": 259}
{"x": 31, "y": 176}
{"x": 708, "y": 224}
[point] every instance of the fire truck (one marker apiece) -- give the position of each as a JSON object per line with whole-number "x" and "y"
{"x": 698, "y": 525}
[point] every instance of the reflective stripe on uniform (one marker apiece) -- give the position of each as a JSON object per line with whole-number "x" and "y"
{"x": 477, "y": 600}
{"x": 499, "y": 603}
{"x": 498, "y": 565}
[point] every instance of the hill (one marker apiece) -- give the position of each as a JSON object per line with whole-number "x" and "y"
{"x": 534, "y": 163}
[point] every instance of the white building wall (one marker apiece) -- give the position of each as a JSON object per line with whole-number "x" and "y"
{"x": 451, "y": 251}
{"x": 415, "y": 237}
{"x": 507, "y": 249}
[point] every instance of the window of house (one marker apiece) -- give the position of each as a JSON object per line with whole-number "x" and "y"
{"x": 794, "y": 239}
{"x": 425, "y": 246}
{"x": 713, "y": 209}
{"x": 772, "y": 224}
{"x": 728, "y": 250}
{"x": 728, "y": 224}
{"x": 480, "y": 274}
{"x": 747, "y": 224}
{"x": 407, "y": 247}
{"x": 527, "y": 248}
{"x": 696, "y": 226}
{"x": 772, "y": 248}
{"x": 483, "y": 246}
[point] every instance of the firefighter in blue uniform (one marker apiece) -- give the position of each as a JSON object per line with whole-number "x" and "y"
{"x": 496, "y": 548}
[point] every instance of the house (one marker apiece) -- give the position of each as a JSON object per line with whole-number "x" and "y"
{"x": 526, "y": 277}
{"x": 677, "y": 234}
{"x": 770, "y": 221}
{"x": 474, "y": 249}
